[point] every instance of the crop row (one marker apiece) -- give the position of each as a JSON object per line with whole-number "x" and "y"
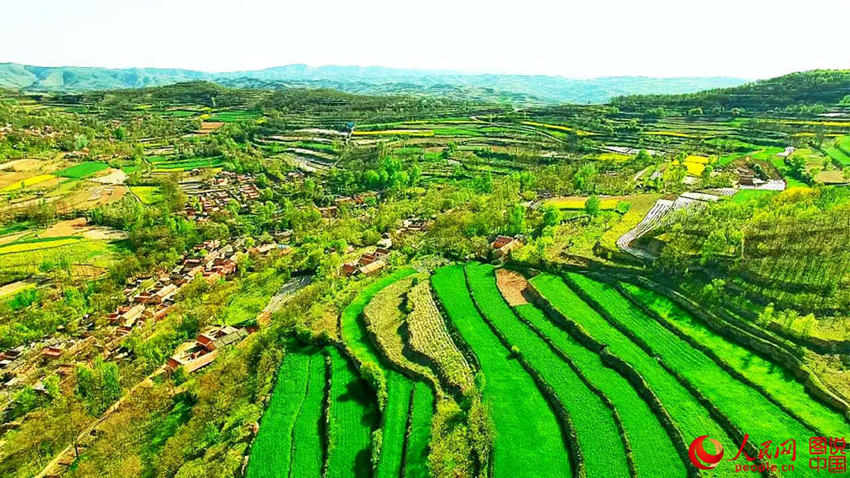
{"x": 351, "y": 414}
{"x": 521, "y": 415}
{"x": 772, "y": 377}
{"x": 291, "y": 435}
{"x": 588, "y": 415}
{"x": 428, "y": 336}
{"x": 393, "y": 388}
{"x": 651, "y": 446}
{"x": 688, "y": 415}
{"x": 718, "y": 386}
{"x": 383, "y": 317}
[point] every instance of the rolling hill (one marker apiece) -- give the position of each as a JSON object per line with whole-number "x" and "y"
{"x": 365, "y": 80}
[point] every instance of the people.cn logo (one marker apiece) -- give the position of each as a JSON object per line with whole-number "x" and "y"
{"x": 703, "y": 459}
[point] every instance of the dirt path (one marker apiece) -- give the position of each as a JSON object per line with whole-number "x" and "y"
{"x": 68, "y": 454}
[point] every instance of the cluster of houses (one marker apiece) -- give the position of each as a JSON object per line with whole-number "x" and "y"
{"x": 414, "y": 225}
{"x": 16, "y": 363}
{"x": 146, "y": 298}
{"x": 215, "y": 193}
{"x": 149, "y": 297}
{"x": 203, "y": 351}
{"x": 368, "y": 264}
{"x": 355, "y": 201}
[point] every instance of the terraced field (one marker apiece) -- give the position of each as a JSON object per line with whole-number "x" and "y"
{"x": 520, "y": 413}
{"x": 429, "y": 337}
{"x": 352, "y": 415}
{"x": 395, "y": 397}
{"x": 588, "y": 415}
{"x": 290, "y": 439}
{"x": 775, "y": 379}
{"x": 597, "y": 379}
{"x": 651, "y": 446}
{"x": 690, "y": 417}
{"x": 700, "y": 370}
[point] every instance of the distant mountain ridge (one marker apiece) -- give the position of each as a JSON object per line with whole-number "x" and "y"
{"x": 366, "y": 80}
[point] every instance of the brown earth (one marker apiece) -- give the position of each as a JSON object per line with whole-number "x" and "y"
{"x": 511, "y": 284}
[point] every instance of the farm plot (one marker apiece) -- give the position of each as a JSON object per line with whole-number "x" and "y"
{"x": 398, "y": 387}
{"x": 395, "y": 132}
{"x": 28, "y": 245}
{"x": 651, "y": 446}
{"x": 519, "y": 411}
{"x": 352, "y": 414}
{"x": 724, "y": 390}
{"x": 558, "y": 127}
{"x": 290, "y": 438}
{"x": 777, "y": 380}
{"x": 31, "y": 181}
{"x": 38, "y": 255}
{"x": 82, "y": 170}
{"x": 577, "y": 202}
{"x": 690, "y": 417}
{"x": 592, "y": 420}
{"x": 427, "y": 335}
{"x": 147, "y": 194}
{"x": 384, "y": 318}
{"x": 399, "y": 392}
{"x": 189, "y": 163}
{"x": 837, "y": 154}
{"x": 419, "y": 431}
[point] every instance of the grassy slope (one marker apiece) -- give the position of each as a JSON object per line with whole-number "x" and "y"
{"x": 690, "y": 416}
{"x": 351, "y": 417}
{"x": 521, "y": 416}
{"x": 308, "y": 433}
{"x": 716, "y": 384}
{"x": 773, "y": 377}
{"x": 419, "y": 432}
{"x": 593, "y": 421}
{"x": 652, "y": 448}
{"x": 271, "y": 450}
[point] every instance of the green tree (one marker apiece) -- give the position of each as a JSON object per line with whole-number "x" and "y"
{"x": 592, "y": 205}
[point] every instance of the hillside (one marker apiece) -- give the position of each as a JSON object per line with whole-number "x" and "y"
{"x": 365, "y": 80}
{"x": 822, "y": 87}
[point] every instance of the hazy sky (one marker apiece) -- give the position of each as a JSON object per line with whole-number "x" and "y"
{"x": 744, "y": 38}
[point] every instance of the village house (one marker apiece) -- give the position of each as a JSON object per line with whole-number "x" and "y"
{"x": 414, "y": 225}
{"x": 204, "y": 350}
{"x": 368, "y": 263}
{"x": 503, "y": 245}
{"x": 51, "y": 352}
{"x": 328, "y": 212}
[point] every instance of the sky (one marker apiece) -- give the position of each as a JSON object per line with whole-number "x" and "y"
{"x": 579, "y": 39}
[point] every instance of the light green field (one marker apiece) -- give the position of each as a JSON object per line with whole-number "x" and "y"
{"x": 652, "y": 448}
{"x": 82, "y": 170}
{"x": 290, "y": 441}
{"x": 398, "y": 387}
{"x": 352, "y": 414}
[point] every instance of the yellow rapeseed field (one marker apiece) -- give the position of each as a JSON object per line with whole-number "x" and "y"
{"x": 558, "y": 127}
{"x": 390, "y": 132}
{"x": 32, "y": 181}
